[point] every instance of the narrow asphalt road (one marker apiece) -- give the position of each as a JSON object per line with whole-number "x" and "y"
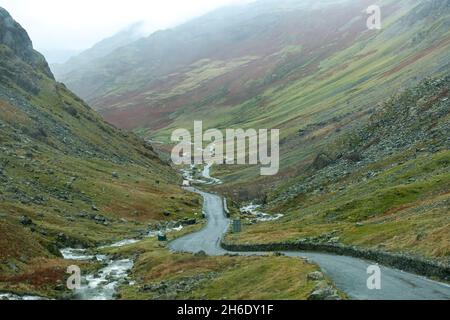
{"x": 209, "y": 238}
{"x": 349, "y": 274}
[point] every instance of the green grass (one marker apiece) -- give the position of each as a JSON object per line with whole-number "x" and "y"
{"x": 57, "y": 161}
{"x": 233, "y": 277}
{"x": 386, "y": 211}
{"x": 344, "y": 87}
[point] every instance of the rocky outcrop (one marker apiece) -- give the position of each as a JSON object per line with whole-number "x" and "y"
{"x": 53, "y": 153}
{"x": 316, "y": 276}
{"x": 322, "y": 161}
{"x": 13, "y": 36}
{"x": 170, "y": 289}
{"x": 323, "y": 291}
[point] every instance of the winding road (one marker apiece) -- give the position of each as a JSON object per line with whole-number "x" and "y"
{"x": 209, "y": 238}
{"x": 349, "y": 274}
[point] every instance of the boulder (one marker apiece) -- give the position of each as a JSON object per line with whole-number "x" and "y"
{"x": 315, "y": 276}
{"x": 322, "y": 161}
{"x": 101, "y": 220}
{"x": 13, "y": 267}
{"x": 278, "y": 254}
{"x": 162, "y": 237}
{"x": 334, "y": 240}
{"x": 201, "y": 254}
{"x": 26, "y": 221}
{"x": 62, "y": 240}
{"x": 323, "y": 291}
{"x": 189, "y": 222}
{"x": 83, "y": 215}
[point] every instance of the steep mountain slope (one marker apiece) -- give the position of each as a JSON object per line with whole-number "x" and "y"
{"x": 385, "y": 185}
{"x": 98, "y": 51}
{"x": 231, "y": 54}
{"x": 67, "y": 178}
{"x": 311, "y": 71}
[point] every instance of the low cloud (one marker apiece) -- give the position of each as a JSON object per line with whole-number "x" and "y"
{"x": 74, "y": 25}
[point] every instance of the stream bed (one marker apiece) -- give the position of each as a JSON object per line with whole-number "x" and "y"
{"x": 103, "y": 284}
{"x": 252, "y": 210}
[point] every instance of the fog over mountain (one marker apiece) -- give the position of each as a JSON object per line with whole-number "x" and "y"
{"x": 60, "y": 29}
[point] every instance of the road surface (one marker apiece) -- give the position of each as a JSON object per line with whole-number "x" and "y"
{"x": 209, "y": 238}
{"x": 349, "y": 274}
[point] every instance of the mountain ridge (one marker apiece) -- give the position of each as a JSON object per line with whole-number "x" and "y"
{"x": 16, "y": 38}
{"x": 99, "y": 50}
{"x": 311, "y": 74}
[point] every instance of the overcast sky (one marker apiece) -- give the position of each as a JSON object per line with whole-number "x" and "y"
{"x": 61, "y": 27}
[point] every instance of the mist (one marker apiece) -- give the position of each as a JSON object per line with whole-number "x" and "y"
{"x": 62, "y": 28}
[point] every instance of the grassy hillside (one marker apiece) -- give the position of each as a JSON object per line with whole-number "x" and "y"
{"x": 67, "y": 178}
{"x": 350, "y": 86}
{"x": 355, "y": 166}
{"x": 312, "y": 71}
{"x": 221, "y": 59}
{"x": 385, "y": 185}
